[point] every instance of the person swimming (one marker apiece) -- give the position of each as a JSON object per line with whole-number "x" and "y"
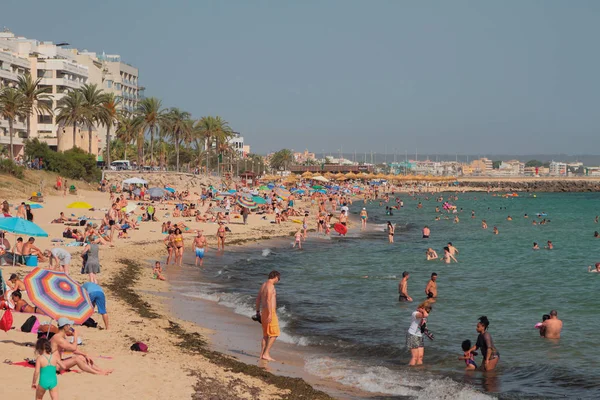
{"x": 597, "y": 265}
{"x": 535, "y": 246}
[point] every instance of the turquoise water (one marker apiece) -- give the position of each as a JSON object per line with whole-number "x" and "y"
{"x": 326, "y": 303}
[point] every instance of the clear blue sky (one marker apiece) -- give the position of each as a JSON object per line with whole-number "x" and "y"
{"x": 442, "y": 76}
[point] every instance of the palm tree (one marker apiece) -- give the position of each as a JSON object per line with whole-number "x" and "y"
{"x": 94, "y": 111}
{"x": 70, "y": 111}
{"x": 213, "y": 128}
{"x": 37, "y": 99}
{"x": 110, "y": 104}
{"x": 13, "y": 104}
{"x": 150, "y": 114}
{"x": 177, "y": 123}
{"x": 282, "y": 159}
{"x": 127, "y": 131}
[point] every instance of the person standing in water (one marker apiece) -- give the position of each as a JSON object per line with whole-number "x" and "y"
{"x": 490, "y": 354}
{"x": 391, "y": 229}
{"x": 448, "y": 257}
{"x": 200, "y": 247}
{"x": 403, "y": 288}
{"x": 266, "y": 307}
{"x": 551, "y": 327}
{"x": 431, "y": 288}
{"x": 426, "y": 232}
{"x": 363, "y": 217}
{"x": 431, "y": 254}
{"x": 414, "y": 336}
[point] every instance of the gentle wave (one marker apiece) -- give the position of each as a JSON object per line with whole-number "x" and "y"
{"x": 383, "y": 380}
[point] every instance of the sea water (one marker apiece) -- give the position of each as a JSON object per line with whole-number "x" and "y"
{"x": 340, "y": 296}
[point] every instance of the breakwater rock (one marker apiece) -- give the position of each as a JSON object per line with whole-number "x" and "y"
{"x": 545, "y": 185}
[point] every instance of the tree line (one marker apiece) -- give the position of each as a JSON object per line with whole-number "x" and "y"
{"x": 172, "y": 132}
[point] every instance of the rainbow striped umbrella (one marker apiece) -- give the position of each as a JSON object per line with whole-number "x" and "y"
{"x": 57, "y": 295}
{"x": 283, "y": 193}
{"x": 247, "y": 201}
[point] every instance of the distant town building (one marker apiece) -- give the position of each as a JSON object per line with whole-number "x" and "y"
{"x": 558, "y": 168}
{"x": 304, "y": 157}
{"x": 237, "y": 143}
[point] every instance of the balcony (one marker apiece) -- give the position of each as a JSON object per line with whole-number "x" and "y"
{"x": 8, "y": 75}
{"x": 18, "y": 61}
{"x": 61, "y": 82}
{"x": 46, "y": 127}
{"x": 17, "y": 126}
{"x": 62, "y": 65}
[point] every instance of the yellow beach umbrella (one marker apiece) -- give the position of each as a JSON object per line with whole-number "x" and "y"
{"x": 307, "y": 174}
{"x": 80, "y": 204}
{"x": 351, "y": 175}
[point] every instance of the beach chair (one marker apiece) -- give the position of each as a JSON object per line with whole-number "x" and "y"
{"x": 72, "y": 190}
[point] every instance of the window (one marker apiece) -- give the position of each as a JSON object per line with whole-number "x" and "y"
{"x": 109, "y": 84}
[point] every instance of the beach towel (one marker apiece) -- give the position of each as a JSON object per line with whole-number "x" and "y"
{"x": 26, "y": 364}
{"x": 74, "y": 244}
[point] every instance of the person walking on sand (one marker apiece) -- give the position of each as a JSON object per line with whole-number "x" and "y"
{"x": 391, "y": 229}
{"x": 266, "y": 312}
{"x": 221, "y": 237}
{"x": 364, "y": 217}
{"x": 403, "y": 288}
{"x": 44, "y": 376}
{"x": 200, "y": 247}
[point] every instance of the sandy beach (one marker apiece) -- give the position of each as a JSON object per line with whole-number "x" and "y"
{"x": 169, "y": 369}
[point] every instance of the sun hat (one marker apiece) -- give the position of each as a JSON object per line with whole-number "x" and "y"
{"x": 62, "y": 321}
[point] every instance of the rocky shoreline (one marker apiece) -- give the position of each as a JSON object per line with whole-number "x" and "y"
{"x": 541, "y": 185}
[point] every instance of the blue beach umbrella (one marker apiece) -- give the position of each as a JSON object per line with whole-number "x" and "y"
{"x": 259, "y": 200}
{"x": 170, "y": 190}
{"x": 232, "y": 191}
{"x": 270, "y": 186}
{"x": 156, "y": 192}
{"x": 34, "y": 206}
{"x": 20, "y": 226}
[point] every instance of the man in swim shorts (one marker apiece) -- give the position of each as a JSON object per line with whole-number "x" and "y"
{"x": 431, "y": 288}
{"x": 551, "y": 327}
{"x": 403, "y": 288}
{"x": 266, "y": 312}
{"x": 426, "y": 232}
{"x": 199, "y": 245}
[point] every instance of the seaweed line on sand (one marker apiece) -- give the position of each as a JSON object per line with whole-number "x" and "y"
{"x": 122, "y": 285}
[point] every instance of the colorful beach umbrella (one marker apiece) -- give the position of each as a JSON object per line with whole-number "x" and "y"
{"x": 33, "y": 205}
{"x": 247, "y": 201}
{"x": 20, "y": 226}
{"x": 263, "y": 187}
{"x": 57, "y": 295}
{"x": 259, "y": 200}
{"x": 80, "y": 204}
{"x": 283, "y": 193}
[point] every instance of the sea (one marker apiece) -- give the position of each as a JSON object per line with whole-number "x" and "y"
{"x": 338, "y": 295}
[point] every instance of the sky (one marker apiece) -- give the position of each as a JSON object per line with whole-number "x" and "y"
{"x": 467, "y": 77}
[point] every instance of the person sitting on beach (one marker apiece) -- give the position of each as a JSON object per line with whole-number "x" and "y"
{"x": 468, "y": 356}
{"x": 61, "y": 219}
{"x": 60, "y": 344}
{"x": 199, "y": 217}
{"x": 77, "y": 235}
{"x": 166, "y": 226}
{"x": 431, "y": 254}
{"x": 157, "y": 272}
{"x": 176, "y": 212}
{"x": 597, "y": 269}
{"x": 14, "y": 283}
{"x": 29, "y": 249}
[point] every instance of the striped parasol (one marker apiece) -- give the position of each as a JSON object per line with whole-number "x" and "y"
{"x": 283, "y": 193}
{"x": 247, "y": 201}
{"x": 57, "y": 295}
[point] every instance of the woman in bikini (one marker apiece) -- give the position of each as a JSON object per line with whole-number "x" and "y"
{"x": 178, "y": 242}
{"x": 221, "y": 237}
{"x": 168, "y": 241}
{"x": 391, "y": 229}
{"x": 21, "y": 305}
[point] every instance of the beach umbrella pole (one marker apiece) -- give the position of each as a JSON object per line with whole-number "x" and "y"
{"x": 49, "y": 326}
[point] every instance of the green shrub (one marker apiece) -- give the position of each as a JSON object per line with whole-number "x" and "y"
{"x": 73, "y": 164}
{"x": 9, "y": 167}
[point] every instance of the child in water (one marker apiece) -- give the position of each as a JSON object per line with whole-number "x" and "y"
{"x": 45, "y": 370}
{"x": 157, "y": 271}
{"x": 468, "y": 356}
{"x": 298, "y": 239}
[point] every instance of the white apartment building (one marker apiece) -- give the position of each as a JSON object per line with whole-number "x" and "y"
{"x": 237, "y": 143}
{"x": 61, "y": 70}
{"x": 558, "y": 168}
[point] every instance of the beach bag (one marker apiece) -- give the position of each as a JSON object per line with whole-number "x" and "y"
{"x": 31, "y": 325}
{"x": 90, "y": 323}
{"x": 6, "y": 321}
{"x": 139, "y": 346}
